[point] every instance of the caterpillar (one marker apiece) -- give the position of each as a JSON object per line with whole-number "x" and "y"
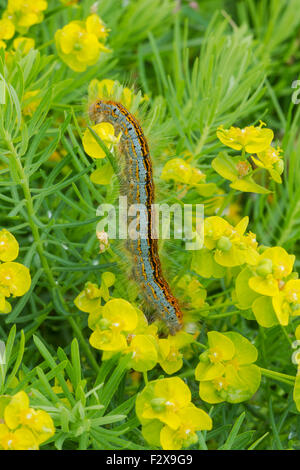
{"x": 140, "y": 189}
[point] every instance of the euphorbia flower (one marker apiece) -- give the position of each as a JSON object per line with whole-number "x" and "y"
{"x": 161, "y": 400}
{"x": 231, "y": 247}
{"x": 192, "y": 419}
{"x": 287, "y": 302}
{"x": 106, "y": 132}
{"x": 226, "y": 371}
{"x": 272, "y": 266}
{"x": 22, "y": 427}
{"x": 252, "y": 139}
{"x": 143, "y": 350}
{"x": 78, "y": 43}
{"x": 118, "y": 318}
{"x": 170, "y": 357}
{"x": 271, "y": 160}
{"x": 24, "y": 14}
{"x": 9, "y": 247}
{"x": 14, "y": 279}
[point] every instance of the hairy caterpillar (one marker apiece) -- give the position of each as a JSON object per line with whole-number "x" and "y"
{"x": 140, "y": 188}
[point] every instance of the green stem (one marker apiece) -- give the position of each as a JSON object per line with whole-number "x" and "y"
{"x": 216, "y": 307}
{"x": 284, "y": 378}
{"x": 202, "y": 140}
{"x": 23, "y": 182}
{"x": 145, "y": 378}
{"x": 222, "y": 315}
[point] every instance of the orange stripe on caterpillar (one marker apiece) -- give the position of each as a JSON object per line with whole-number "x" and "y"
{"x": 144, "y": 250}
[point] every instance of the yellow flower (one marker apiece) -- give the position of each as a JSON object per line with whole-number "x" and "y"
{"x": 7, "y": 29}
{"x": 14, "y": 279}
{"x": 168, "y": 417}
{"x": 226, "y": 370}
{"x": 238, "y": 172}
{"x": 95, "y": 25}
{"x": 271, "y": 160}
{"x": 78, "y": 43}
{"x": 22, "y": 427}
{"x": 192, "y": 419}
{"x": 251, "y": 139}
{"x": 161, "y": 400}
{"x": 286, "y": 302}
{"x": 21, "y": 439}
{"x": 193, "y": 290}
{"x": 24, "y": 44}
{"x": 231, "y": 247}
{"x": 25, "y": 13}
{"x": 30, "y": 103}
{"x": 106, "y": 132}
{"x": 272, "y": 266}
{"x": 5, "y": 307}
{"x": 170, "y": 357}
{"x": 118, "y": 318}
{"x": 181, "y": 171}
{"x": 89, "y": 299}
{"x": 9, "y": 247}
{"x": 144, "y": 353}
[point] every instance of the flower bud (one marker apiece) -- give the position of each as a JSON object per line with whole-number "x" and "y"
{"x": 264, "y": 267}
{"x": 204, "y": 357}
{"x": 158, "y": 404}
{"x": 224, "y": 244}
{"x": 104, "y": 324}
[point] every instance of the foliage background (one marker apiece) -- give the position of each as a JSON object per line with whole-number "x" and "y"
{"x": 225, "y": 62}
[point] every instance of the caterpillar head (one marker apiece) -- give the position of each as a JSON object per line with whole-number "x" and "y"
{"x": 101, "y": 110}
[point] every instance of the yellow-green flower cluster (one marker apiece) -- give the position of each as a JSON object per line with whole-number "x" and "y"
{"x": 9, "y": 26}
{"x": 226, "y": 246}
{"x": 183, "y": 172}
{"x": 80, "y": 43}
{"x": 120, "y": 327}
{"x": 15, "y": 278}
{"x": 22, "y": 427}
{"x": 169, "y": 419}
{"x": 270, "y": 288}
{"x": 264, "y": 281}
{"x": 192, "y": 290}
{"x": 226, "y": 371}
{"x": 251, "y": 139}
{"x": 21, "y": 14}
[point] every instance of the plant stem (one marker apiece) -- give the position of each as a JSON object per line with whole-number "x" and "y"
{"x": 23, "y": 182}
{"x": 222, "y": 315}
{"x": 284, "y": 378}
{"x": 202, "y": 140}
